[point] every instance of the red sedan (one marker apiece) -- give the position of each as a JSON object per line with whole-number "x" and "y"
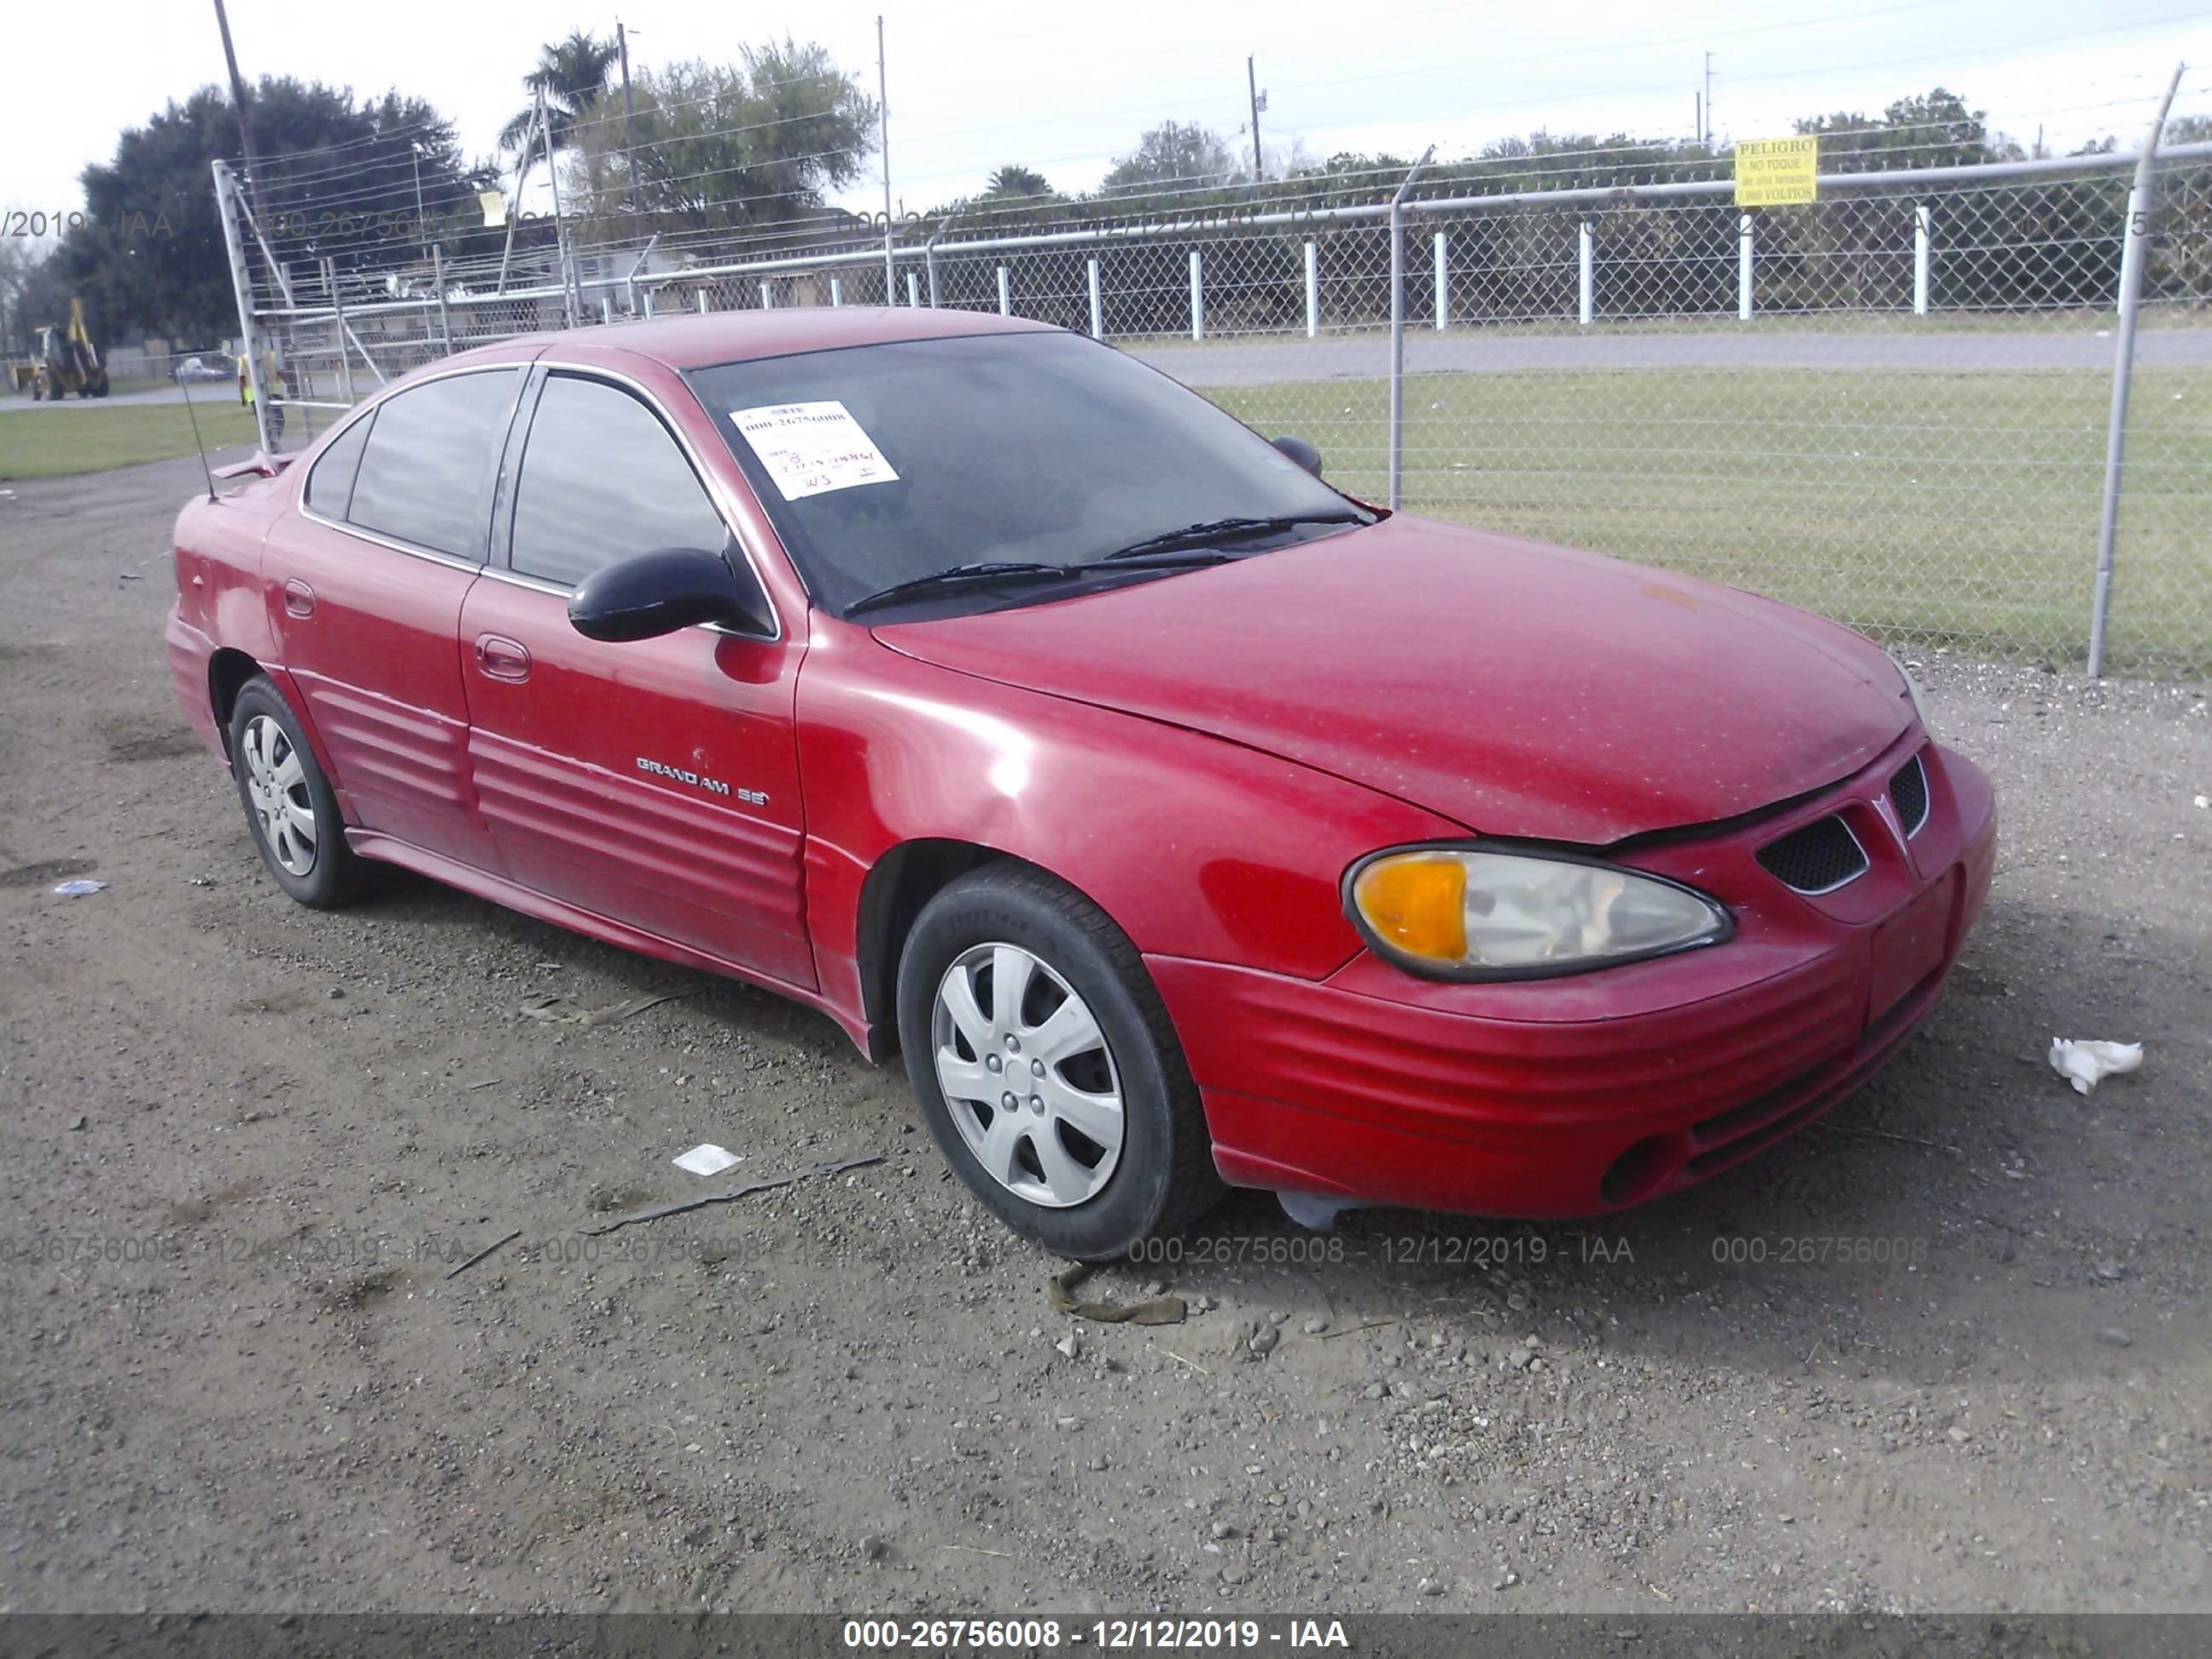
{"x": 1182, "y": 821}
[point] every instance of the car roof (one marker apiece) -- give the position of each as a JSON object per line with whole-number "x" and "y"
{"x": 697, "y": 340}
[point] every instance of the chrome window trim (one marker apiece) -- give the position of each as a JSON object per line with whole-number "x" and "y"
{"x": 717, "y": 494}
{"x": 451, "y": 560}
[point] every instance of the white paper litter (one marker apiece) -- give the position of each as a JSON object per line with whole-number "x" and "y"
{"x": 810, "y": 448}
{"x": 706, "y": 1158}
{"x": 2086, "y": 1064}
{"x": 79, "y": 889}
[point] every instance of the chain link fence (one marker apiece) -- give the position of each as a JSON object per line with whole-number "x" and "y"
{"x": 1892, "y": 406}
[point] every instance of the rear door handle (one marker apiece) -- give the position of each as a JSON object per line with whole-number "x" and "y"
{"x": 299, "y": 598}
{"x": 502, "y": 658}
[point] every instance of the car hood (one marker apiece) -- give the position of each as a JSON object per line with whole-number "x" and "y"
{"x": 1518, "y": 689}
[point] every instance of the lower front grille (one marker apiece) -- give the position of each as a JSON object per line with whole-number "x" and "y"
{"x": 1818, "y": 859}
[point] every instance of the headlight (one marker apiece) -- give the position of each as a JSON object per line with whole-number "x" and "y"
{"x": 1911, "y": 690}
{"x": 1455, "y": 913}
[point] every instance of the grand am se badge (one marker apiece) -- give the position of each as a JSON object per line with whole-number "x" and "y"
{"x": 711, "y": 785}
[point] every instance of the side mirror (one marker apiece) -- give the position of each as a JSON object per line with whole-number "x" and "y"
{"x": 654, "y": 593}
{"x": 1301, "y": 452}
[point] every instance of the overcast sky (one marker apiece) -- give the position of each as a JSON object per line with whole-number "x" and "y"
{"x": 1063, "y": 89}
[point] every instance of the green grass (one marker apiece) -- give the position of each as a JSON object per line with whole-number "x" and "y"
{"x": 1928, "y": 508}
{"x": 56, "y": 440}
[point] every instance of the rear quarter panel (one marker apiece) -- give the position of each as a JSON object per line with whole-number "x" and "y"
{"x": 216, "y": 547}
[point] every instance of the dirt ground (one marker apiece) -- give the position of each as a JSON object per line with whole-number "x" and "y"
{"x": 1947, "y": 1352}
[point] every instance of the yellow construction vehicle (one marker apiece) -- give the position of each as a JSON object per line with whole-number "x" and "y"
{"x": 63, "y": 360}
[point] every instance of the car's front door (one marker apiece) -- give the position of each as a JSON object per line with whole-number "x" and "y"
{"x": 364, "y": 588}
{"x": 656, "y": 781}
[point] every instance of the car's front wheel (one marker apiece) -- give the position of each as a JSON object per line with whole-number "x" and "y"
{"x": 289, "y": 805}
{"x": 1046, "y": 1068}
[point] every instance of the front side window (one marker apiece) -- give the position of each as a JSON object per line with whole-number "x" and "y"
{"x": 601, "y": 480}
{"x": 426, "y": 472}
{"x": 881, "y": 464}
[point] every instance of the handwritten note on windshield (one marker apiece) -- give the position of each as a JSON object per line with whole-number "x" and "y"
{"x": 811, "y": 448}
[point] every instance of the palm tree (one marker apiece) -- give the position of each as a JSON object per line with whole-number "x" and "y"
{"x": 570, "y": 73}
{"x": 1014, "y": 180}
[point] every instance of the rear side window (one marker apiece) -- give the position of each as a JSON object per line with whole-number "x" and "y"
{"x": 426, "y": 472}
{"x": 330, "y": 486}
{"x": 603, "y": 479}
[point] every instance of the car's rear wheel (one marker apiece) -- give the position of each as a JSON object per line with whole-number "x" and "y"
{"x": 1046, "y": 1068}
{"x": 289, "y": 805}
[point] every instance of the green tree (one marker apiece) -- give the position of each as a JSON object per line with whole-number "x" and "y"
{"x": 1929, "y": 130}
{"x": 23, "y": 292}
{"x": 571, "y": 73}
{"x": 337, "y": 179}
{"x": 1175, "y": 156}
{"x": 1013, "y": 181}
{"x": 722, "y": 147}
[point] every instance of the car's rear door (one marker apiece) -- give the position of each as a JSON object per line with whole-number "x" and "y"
{"x": 654, "y": 782}
{"x": 364, "y": 587}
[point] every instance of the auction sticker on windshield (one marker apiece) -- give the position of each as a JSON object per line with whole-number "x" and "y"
{"x": 810, "y": 448}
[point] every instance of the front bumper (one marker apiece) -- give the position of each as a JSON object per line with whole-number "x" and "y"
{"x": 1573, "y": 1097}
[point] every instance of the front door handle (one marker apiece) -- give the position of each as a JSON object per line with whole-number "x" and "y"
{"x": 502, "y": 658}
{"x": 299, "y": 598}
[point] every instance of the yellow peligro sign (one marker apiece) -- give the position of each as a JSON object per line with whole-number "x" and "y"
{"x": 1777, "y": 172}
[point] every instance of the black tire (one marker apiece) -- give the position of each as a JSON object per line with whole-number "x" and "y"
{"x": 334, "y": 874}
{"x": 1163, "y": 1177}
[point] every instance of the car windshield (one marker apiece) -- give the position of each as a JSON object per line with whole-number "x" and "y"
{"x": 883, "y": 463}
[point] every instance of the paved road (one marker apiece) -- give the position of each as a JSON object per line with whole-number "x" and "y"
{"x": 1267, "y": 363}
{"x": 216, "y": 391}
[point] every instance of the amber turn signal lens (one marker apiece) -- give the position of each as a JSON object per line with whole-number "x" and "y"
{"x": 1417, "y": 904}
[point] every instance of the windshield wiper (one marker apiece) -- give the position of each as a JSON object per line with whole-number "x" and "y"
{"x": 1208, "y": 531}
{"x": 988, "y": 572}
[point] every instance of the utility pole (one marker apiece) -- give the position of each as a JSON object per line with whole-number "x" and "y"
{"x": 1252, "y": 86}
{"x": 238, "y": 103}
{"x": 884, "y": 144}
{"x": 421, "y": 224}
{"x": 1697, "y": 118}
{"x": 571, "y": 294}
{"x": 630, "y": 141}
{"x": 1709, "y": 101}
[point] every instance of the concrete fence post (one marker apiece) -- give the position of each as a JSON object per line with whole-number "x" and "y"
{"x": 768, "y": 296}
{"x": 912, "y": 292}
{"x": 1921, "y": 216}
{"x": 1006, "y": 295}
{"x": 704, "y": 302}
{"x": 1585, "y": 274}
{"x": 1097, "y": 310}
{"x": 1313, "y": 291}
{"x": 1743, "y": 263}
{"x": 836, "y": 291}
{"x": 1443, "y": 282}
{"x": 1197, "y": 298}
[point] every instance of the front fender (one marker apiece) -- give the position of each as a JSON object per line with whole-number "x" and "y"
{"x": 1196, "y": 846}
